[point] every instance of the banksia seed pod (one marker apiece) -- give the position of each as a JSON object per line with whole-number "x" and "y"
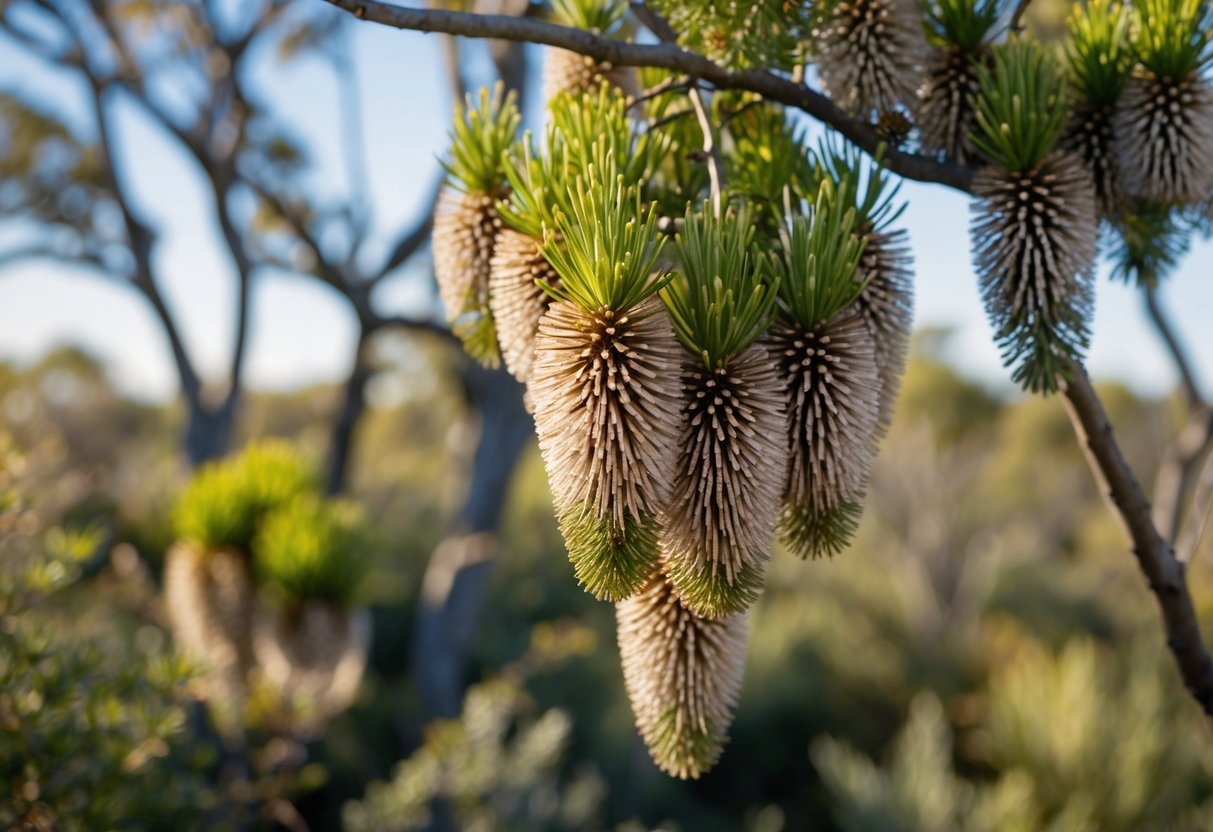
{"x": 466, "y": 222}
{"x": 827, "y": 362}
{"x": 717, "y": 532}
{"x": 1035, "y": 223}
{"x": 516, "y": 300}
{"x": 565, "y": 71}
{"x": 870, "y": 53}
{"x": 605, "y": 387}
{"x": 959, "y": 30}
{"x": 683, "y": 675}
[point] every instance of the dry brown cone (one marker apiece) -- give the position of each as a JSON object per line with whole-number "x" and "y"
{"x": 887, "y": 306}
{"x": 313, "y": 654}
{"x": 209, "y": 599}
{"x": 945, "y": 112}
{"x": 683, "y": 675}
{"x": 717, "y": 533}
{"x": 871, "y": 54}
{"x": 833, "y": 401}
{"x": 1164, "y": 138}
{"x": 1090, "y": 138}
{"x": 465, "y": 229}
{"x": 605, "y": 388}
{"x": 565, "y": 71}
{"x": 516, "y": 300}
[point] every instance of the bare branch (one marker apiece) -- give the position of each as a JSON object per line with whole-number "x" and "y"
{"x": 1164, "y": 573}
{"x": 45, "y": 251}
{"x": 411, "y": 241}
{"x": 1183, "y": 367}
{"x": 1017, "y": 17}
{"x": 668, "y": 56}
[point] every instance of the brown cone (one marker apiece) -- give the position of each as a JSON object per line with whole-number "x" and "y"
{"x": 887, "y": 306}
{"x": 465, "y": 227}
{"x": 515, "y": 299}
{"x": 1090, "y": 138}
{"x": 945, "y": 113}
{"x": 683, "y": 675}
{"x": 565, "y": 71}
{"x": 718, "y": 529}
{"x": 833, "y": 394}
{"x": 871, "y": 54}
{"x": 1164, "y": 139}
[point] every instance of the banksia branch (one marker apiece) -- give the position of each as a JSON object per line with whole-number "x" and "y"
{"x": 683, "y": 675}
{"x": 718, "y": 529}
{"x": 1035, "y": 223}
{"x": 870, "y": 53}
{"x": 831, "y": 382}
{"x": 605, "y": 386}
{"x": 466, "y": 221}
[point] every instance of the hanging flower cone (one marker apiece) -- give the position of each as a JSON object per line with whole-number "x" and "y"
{"x": 827, "y": 362}
{"x": 466, "y": 222}
{"x": 683, "y": 675}
{"x": 959, "y": 30}
{"x": 1164, "y": 121}
{"x": 870, "y": 53}
{"x": 565, "y": 71}
{"x": 717, "y": 532}
{"x": 1035, "y": 222}
{"x": 605, "y": 387}
{"x": 1098, "y": 59}
{"x": 516, "y": 300}
{"x": 209, "y": 598}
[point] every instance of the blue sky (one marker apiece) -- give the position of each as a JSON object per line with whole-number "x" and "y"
{"x": 302, "y": 333}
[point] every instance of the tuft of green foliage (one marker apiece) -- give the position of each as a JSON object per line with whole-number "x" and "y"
{"x": 855, "y": 173}
{"x": 476, "y": 328}
{"x": 1147, "y": 243}
{"x": 599, "y": 16}
{"x": 820, "y": 534}
{"x": 820, "y": 254}
{"x": 611, "y": 563}
{"x": 723, "y": 296}
{"x": 1098, "y": 52}
{"x": 709, "y": 593}
{"x": 740, "y": 33}
{"x": 480, "y": 137}
{"x": 309, "y": 549}
{"x": 1172, "y": 38}
{"x": 961, "y": 24}
{"x": 1021, "y": 110}
{"x": 605, "y": 249}
{"x": 585, "y": 127}
{"x": 226, "y": 501}
{"x": 767, "y": 158}
{"x": 534, "y": 185}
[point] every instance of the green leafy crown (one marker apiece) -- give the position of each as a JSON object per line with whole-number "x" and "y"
{"x": 722, "y": 297}
{"x": 1021, "y": 109}
{"x": 1171, "y": 38}
{"x": 961, "y": 24}
{"x": 1098, "y": 53}
{"x": 594, "y": 15}
{"x": 768, "y": 155}
{"x": 855, "y": 173}
{"x": 480, "y": 137}
{"x": 309, "y": 549}
{"x": 580, "y": 122}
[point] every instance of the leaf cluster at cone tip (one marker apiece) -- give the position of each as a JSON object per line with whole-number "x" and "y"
{"x": 611, "y": 563}
{"x": 961, "y": 24}
{"x": 1148, "y": 242}
{"x": 479, "y": 139}
{"x": 722, "y": 296}
{"x": 605, "y": 248}
{"x": 600, "y": 16}
{"x": 768, "y": 155}
{"x": 1172, "y": 38}
{"x": 1022, "y": 108}
{"x": 820, "y": 253}
{"x": 585, "y": 126}
{"x": 533, "y": 184}
{"x": 865, "y": 178}
{"x": 1097, "y": 50}
{"x": 313, "y": 549}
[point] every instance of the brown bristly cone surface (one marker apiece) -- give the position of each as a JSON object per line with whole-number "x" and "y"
{"x": 605, "y": 388}
{"x": 465, "y": 229}
{"x": 209, "y": 599}
{"x": 314, "y": 654}
{"x": 887, "y": 306}
{"x": 833, "y": 401}
{"x": 1090, "y": 137}
{"x": 683, "y": 675}
{"x": 721, "y": 520}
{"x": 871, "y": 54}
{"x": 565, "y": 71}
{"x": 1164, "y": 139}
{"x": 516, "y": 300}
{"x": 944, "y": 112}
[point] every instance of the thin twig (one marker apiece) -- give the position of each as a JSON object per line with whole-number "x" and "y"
{"x": 711, "y": 152}
{"x": 674, "y": 84}
{"x": 1183, "y": 366}
{"x": 671, "y": 118}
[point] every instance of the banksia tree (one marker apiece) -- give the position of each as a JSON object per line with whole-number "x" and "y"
{"x": 717, "y": 531}
{"x": 885, "y": 268}
{"x": 683, "y": 676}
{"x": 831, "y": 382}
{"x": 960, "y": 31}
{"x": 1034, "y": 222}
{"x": 466, "y": 223}
{"x": 565, "y": 71}
{"x": 605, "y": 385}
{"x": 1098, "y": 59}
{"x": 870, "y": 53}
{"x": 1164, "y": 121}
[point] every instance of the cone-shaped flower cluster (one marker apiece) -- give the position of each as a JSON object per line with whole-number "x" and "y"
{"x": 466, "y": 222}
{"x": 960, "y": 31}
{"x": 1034, "y": 222}
{"x": 565, "y": 71}
{"x": 870, "y": 53}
